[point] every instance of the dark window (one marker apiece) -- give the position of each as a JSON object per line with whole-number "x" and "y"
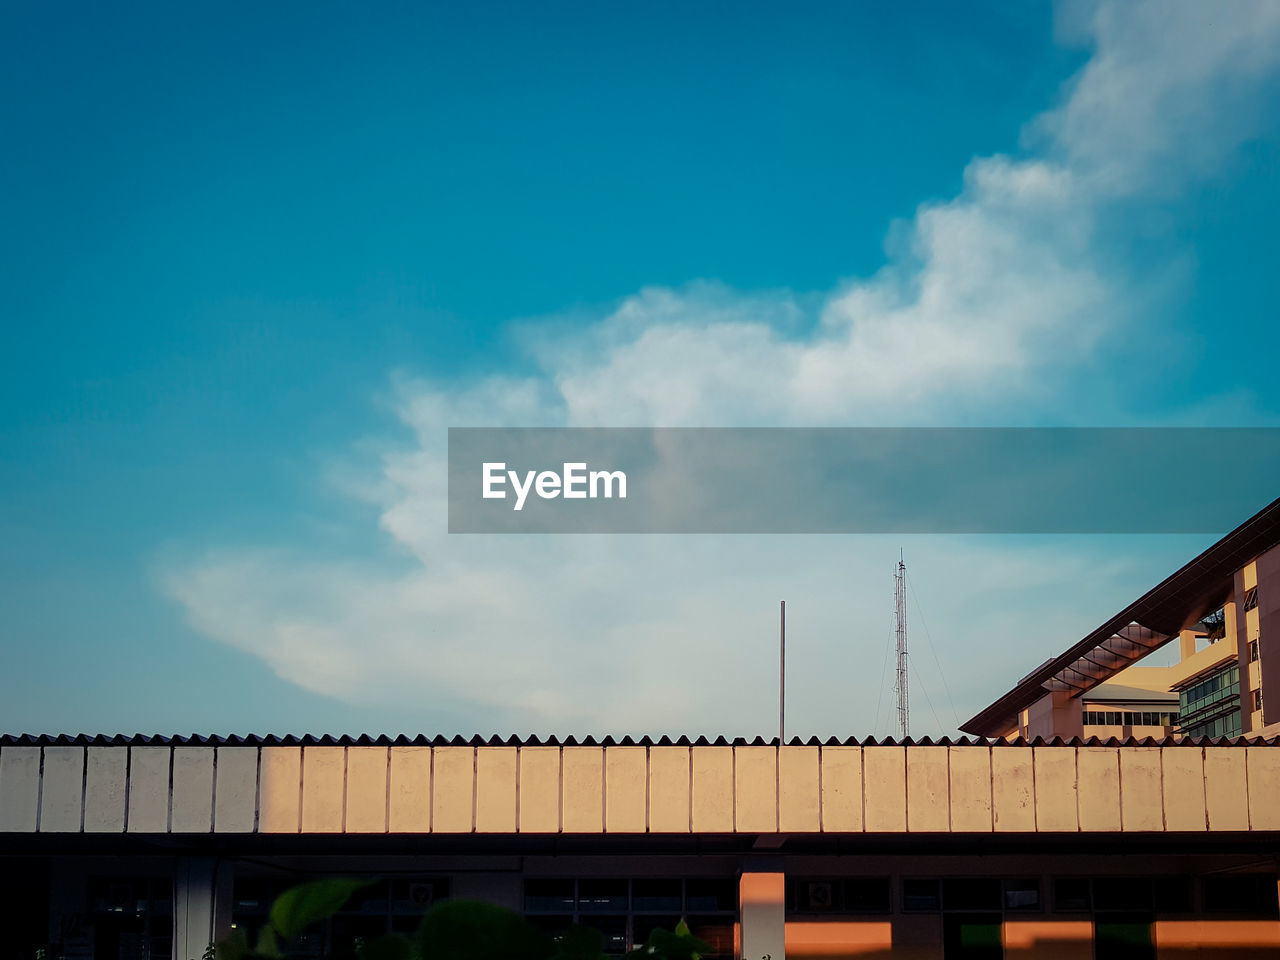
{"x": 549, "y": 896}
{"x": 920, "y": 895}
{"x": 626, "y": 911}
{"x": 656, "y": 896}
{"x": 1172, "y": 894}
{"x": 1122, "y": 893}
{"x": 1257, "y": 699}
{"x": 1253, "y": 894}
{"x": 1253, "y": 651}
{"x": 602, "y": 896}
{"x": 1251, "y": 599}
{"x": 866, "y": 895}
{"x": 971, "y": 893}
{"x": 1071, "y": 895}
{"x": 1022, "y": 895}
{"x": 710, "y": 896}
{"x": 131, "y": 918}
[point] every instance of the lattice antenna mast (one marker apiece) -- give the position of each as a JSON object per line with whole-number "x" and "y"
{"x": 900, "y": 630}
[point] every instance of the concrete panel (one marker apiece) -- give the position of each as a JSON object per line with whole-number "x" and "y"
{"x": 928, "y": 793}
{"x": 755, "y": 789}
{"x": 324, "y": 784}
{"x": 1098, "y": 800}
{"x": 713, "y": 789}
{"x": 799, "y": 795}
{"x": 409, "y": 793}
{"x": 626, "y": 776}
{"x": 1226, "y": 789}
{"x": 62, "y": 790}
{"x": 970, "y": 769}
{"x": 669, "y": 790}
{"x": 235, "y": 790}
{"x": 192, "y": 790}
{"x": 366, "y": 790}
{"x": 496, "y": 789}
{"x": 280, "y": 790}
{"x": 106, "y": 772}
{"x": 1141, "y": 803}
{"x": 841, "y": 789}
{"x": 1055, "y": 771}
{"x": 1183, "y": 788}
{"x": 582, "y": 786}
{"x": 1013, "y": 790}
{"x": 540, "y": 789}
{"x": 149, "y": 789}
{"x": 1262, "y": 765}
{"x": 884, "y": 776}
{"x": 19, "y": 789}
{"x": 453, "y": 789}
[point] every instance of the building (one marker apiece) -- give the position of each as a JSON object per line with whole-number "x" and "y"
{"x": 1223, "y": 612}
{"x": 1089, "y": 819}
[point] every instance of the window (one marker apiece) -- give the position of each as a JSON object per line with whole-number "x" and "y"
{"x": 627, "y": 911}
{"x": 1021, "y": 895}
{"x": 852, "y": 895}
{"x": 132, "y": 917}
{"x": 1253, "y": 651}
{"x": 1112, "y": 896}
{"x": 1071, "y": 895}
{"x": 1257, "y": 700}
{"x": 1132, "y": 718}
{"x": 388, "y": 906}
{"x": 1251, "y": 599}
{"x": 1253, "y": 894}
{"x": 921, "y": 896}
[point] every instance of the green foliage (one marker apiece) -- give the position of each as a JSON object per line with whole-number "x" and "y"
{"x": 452, "y": 930}
{"x": 666, "y": 945}
{"x": 580, "y": 943}
{"x": 301, "y": 906}
{"x": 472, "y": 930}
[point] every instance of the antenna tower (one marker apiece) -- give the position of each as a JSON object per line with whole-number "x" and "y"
{"x": 900, "y": 630}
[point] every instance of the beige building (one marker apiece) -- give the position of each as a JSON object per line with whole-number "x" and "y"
{"x": 1059, "y": 835}
{"x": 1221, "y": 612}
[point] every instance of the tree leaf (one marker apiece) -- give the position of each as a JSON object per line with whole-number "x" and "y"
{"x": 301, "y": 906}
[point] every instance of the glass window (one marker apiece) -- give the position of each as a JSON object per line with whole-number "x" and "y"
{"x": 602, "y": 896}
{"x": 1022, "y": 894}
{"x": 971, "y": 893}
{"x": 656, "y": 895}
{"x": 866, "y": 895}
{"x": 920, "y": 895}
{"x": 1253, "y": 894}
{"x": 709, "y": 896}
{"x": 1071, "y": 894}
{"x": 548, "y": 896}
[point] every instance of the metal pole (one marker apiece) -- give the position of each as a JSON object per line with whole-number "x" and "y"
{"x": 782, "y": 675}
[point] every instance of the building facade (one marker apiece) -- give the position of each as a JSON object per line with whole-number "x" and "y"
{"x": 1106, "y": 809}
{"x": 150, "y": 848}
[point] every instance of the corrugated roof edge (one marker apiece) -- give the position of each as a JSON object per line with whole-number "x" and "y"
{"x": 439, "y": 740}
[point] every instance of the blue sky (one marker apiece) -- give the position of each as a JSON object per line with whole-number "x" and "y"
{"x": 256, "y": 260}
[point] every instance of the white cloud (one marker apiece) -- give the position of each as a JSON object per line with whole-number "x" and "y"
{"x": 997, "y": 291}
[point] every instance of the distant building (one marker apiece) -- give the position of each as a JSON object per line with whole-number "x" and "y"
{"x": 1222, "y": 610}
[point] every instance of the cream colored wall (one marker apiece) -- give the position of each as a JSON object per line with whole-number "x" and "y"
{"x": 658, "y": 789}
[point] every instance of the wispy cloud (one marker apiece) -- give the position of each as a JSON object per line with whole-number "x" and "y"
{"x": 984, "y": 299}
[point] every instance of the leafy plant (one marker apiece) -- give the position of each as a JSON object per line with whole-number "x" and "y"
{"x": 452, "y": 930}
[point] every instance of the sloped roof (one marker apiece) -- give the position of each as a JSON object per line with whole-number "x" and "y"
{"x": 1180, "y": 600}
